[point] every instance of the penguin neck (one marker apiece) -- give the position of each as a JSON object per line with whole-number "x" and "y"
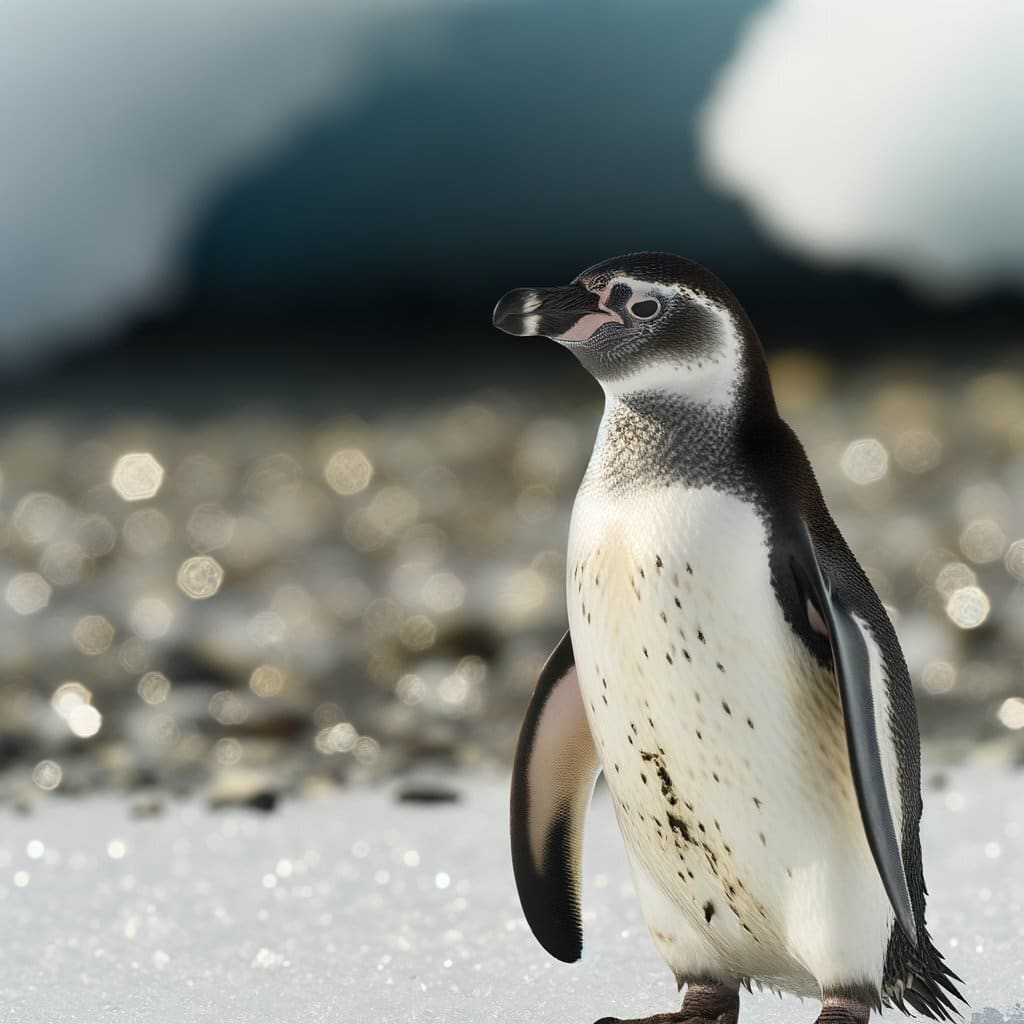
{"x": 669, "y": 434}
{"x": 652, "y": 437}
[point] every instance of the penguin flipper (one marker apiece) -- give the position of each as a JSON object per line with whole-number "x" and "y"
{"x": 556, "y": 766}
{"x": 849, "y": 641}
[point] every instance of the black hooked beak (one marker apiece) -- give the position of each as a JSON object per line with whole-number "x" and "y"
{"x": 551, "y": 312}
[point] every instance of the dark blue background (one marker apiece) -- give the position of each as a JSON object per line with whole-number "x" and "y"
{"x": 493, "y": 146}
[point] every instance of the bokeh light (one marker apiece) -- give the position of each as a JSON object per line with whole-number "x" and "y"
{"x": 311, "y": 599}
{"x": 1011, "y": 713}
{"x": 348, "y": 471}
{"x": 266, "y": 681}
{"x": 200, "y": 577}
{"x": 47, "y": 775}
{"x": 865, "y": 461}
{"x": 93, "y": 634}
{"x": 137, "y": 476}
{"x": 28, "y": 593}
{"x": 154, "y": 687}
{"x": 84, "y": 721}
{"x": 968, "y": 607}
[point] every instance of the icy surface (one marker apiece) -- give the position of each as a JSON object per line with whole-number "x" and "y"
{"x": 359, "y": 908}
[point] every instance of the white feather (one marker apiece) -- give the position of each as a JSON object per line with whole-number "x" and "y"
{"x": 689, "y": 668}
{"x": 561, "y": 765}
{"x": 709, "y": 379}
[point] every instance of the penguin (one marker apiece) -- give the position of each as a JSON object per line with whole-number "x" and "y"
{"x": 729, "y": 668}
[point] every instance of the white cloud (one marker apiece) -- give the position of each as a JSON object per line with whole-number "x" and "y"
{"x": 880, "y": 134}
{"x": 119, "y": 119}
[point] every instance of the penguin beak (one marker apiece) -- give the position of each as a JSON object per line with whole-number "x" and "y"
{"x": 568, "y": 314}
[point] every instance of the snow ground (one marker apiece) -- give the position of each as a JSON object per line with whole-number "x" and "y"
{"x": 359, "y": 908}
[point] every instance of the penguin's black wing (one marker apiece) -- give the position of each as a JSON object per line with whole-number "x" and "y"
{"x": 553, "y": 778}
{"x": 833, "y": 609}
{"x": 851, "y": 646}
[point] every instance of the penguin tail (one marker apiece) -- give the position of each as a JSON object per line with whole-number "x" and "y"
{"x": 928, "y": 986}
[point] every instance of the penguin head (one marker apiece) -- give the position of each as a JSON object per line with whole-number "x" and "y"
{"x": 643, "y": 322}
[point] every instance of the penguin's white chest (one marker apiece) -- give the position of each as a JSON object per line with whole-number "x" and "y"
{"x": 721, "y": 739}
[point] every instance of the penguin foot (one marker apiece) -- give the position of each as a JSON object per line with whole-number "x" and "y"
{"x": 658, "y": 1018}
{"x": 843, "y": 1009}
{"x": 706, "y": 1002}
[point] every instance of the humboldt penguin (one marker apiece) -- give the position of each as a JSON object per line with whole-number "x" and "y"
{"x": 730, "y": 669}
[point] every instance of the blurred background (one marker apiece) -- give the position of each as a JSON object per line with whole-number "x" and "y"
{"x": 280, "y": 511}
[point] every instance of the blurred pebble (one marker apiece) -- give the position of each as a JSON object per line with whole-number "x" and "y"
{"x": 256, "y": 605}
{"x": 151, "y": 806}
{"x": 427, "y": 793}
{"x": 242, "y": 788}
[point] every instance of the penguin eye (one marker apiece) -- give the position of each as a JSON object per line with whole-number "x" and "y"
{"x": 645, "y": 309}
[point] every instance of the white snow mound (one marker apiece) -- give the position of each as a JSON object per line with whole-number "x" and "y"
{"x": 884, "y": 135}
{"x": 119, "y": 123}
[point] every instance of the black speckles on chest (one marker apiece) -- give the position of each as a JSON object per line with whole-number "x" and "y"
{"x": 661, "y": 614}
{"x": 670, "y": 672}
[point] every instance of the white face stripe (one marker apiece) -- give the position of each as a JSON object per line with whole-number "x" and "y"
{"x": 709, "y": 380}
{"x": 640, "y": 289}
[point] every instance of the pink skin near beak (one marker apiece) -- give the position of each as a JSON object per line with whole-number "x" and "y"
{"x": 584, "y": 328}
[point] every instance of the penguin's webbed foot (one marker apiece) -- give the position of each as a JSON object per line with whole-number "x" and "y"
{"x": 843, "y": 1009}
{"x": 658, "y": 1018}
{"x": 705, "y": 1003}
